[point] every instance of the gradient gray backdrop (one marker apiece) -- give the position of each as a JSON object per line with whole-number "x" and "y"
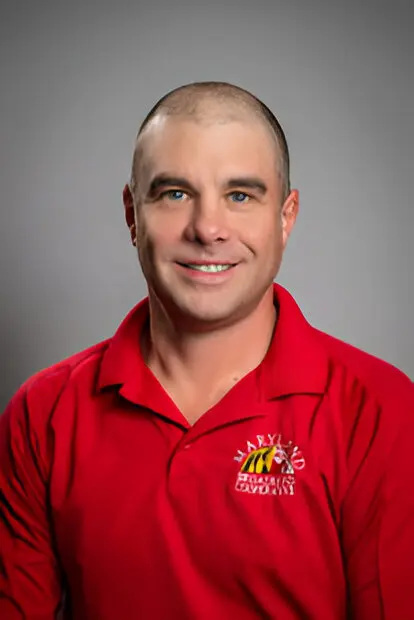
{"x": 77, "y": 79}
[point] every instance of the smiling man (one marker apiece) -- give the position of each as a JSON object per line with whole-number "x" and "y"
{"x": 218, "y": 457}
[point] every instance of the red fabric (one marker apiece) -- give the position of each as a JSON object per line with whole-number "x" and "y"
{"x": 293, "y": 498}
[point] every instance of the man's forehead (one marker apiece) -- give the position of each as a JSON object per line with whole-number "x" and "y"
{"x": 164, "y": 128}
{"x": 165, "y": 144}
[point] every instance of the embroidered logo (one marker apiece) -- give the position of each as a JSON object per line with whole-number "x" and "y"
{"x": 269, "y": 466}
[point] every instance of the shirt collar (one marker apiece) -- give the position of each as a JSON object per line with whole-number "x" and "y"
{"x": 295, "y": 363}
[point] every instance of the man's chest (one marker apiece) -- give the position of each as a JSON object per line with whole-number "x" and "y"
{"x": 247, "y": 504}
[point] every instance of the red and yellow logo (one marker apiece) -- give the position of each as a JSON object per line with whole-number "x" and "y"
{"x": 269, "y": 469}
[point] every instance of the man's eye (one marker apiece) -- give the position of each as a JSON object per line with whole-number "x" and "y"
{"x": 174, "y": 194}
{"x": 239, "y": 197}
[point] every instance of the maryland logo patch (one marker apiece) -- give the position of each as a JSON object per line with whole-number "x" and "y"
{"x": 268, "y": 466}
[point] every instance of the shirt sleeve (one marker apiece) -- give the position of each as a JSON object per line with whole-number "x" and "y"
{"x": 378, "y": 510}
{"x": 30, "y": 585}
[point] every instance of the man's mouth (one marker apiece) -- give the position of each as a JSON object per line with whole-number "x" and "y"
{"x": 208, "y": 268}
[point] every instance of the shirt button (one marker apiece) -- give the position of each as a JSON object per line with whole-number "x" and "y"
{"x": 187, "y": 446}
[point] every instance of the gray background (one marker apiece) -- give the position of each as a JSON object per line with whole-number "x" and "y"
{"x": 77, "y": 79}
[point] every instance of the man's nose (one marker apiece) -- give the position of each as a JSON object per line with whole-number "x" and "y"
{"x": 208, "y": 222}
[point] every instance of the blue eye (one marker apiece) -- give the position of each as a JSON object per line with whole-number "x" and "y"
{"x": 239, "y": 197}
{"x": 174, "y": 194}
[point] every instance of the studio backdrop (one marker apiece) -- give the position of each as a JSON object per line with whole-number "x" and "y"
{"x": 78, "y": 78}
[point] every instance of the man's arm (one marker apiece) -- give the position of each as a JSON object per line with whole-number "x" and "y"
{"x": 29, "y": 574}
{"x": 378, "y": 510}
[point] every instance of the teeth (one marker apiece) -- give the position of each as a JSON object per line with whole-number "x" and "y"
{"x": 210, "y": 268}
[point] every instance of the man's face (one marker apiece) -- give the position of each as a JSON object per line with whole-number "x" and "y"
{"x": 210, "y": 225}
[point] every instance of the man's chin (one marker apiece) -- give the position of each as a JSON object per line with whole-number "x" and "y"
{"x": 205, "y": 317}
{"x": 204, "y": 309}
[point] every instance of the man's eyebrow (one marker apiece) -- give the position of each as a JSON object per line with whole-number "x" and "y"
{"x": 160, "y": 181}
{"x": 253, "y": 183}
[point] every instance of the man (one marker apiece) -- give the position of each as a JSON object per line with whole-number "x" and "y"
{"x": 218, "y": 457}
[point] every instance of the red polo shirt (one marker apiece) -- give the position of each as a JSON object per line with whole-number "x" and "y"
{"x": 292, "y": 498}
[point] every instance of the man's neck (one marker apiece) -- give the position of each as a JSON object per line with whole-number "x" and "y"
{"x": 197, "y": 367}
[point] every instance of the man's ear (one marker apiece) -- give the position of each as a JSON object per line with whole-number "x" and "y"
{"x": 130, "y": 213}
{"x": 290, "y": 210}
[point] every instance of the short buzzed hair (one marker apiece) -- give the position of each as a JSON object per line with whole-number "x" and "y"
{"x": 191, "y": 100}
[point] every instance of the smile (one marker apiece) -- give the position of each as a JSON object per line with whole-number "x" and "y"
{"x": 208, "y": 268}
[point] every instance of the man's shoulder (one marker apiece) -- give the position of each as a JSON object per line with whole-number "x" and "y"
{"x": 46, "y": 385}
{"x": 381, "y": 378}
